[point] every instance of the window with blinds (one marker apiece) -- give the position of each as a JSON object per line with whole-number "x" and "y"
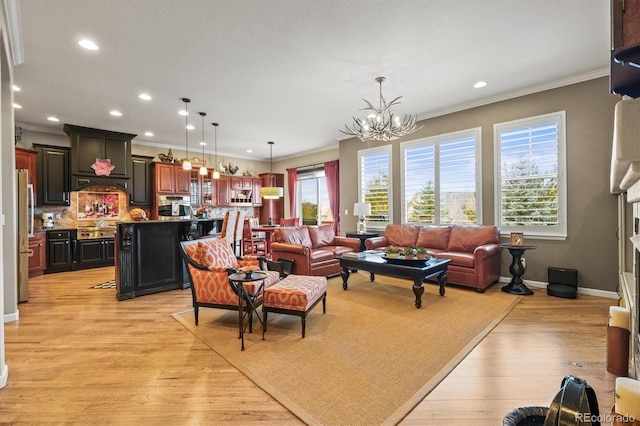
{"x": 530, "y": 175}
{"x": 440, "y": 179}
{"x": 374, "y": 183}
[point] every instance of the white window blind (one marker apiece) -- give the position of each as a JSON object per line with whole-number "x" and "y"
{"x": 374, "y": 183}
{"x": 441, "y": 180}
{"x": 531, "y": 185}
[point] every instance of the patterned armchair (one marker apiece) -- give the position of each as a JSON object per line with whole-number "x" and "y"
{"x": 209, "y": 262}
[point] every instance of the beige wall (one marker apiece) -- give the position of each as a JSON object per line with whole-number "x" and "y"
{"x": 591, "y": 246}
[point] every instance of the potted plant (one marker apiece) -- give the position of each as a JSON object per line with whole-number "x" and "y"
{"x": 408, "y": 252}
{"x": 421, "y": 253}
{"x": 392, "y": 252}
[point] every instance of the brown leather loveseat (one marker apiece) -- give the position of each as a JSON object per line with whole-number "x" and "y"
{"x": 314, "y": 249}
{"x": 474, "y": 250}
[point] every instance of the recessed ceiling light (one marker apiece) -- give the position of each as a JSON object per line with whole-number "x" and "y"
{"x": 190, "y": 127}
{"x": 52, "y": 118}
{"x": 88, "y": 44}
{"x": 183, "y": 112}
{"x": 17, "y": 106}
{"x": 148, "y": 133}
{"x": 16, "y": 88}
{"x": 144, "y": 96}
{"x": 480, "y": 84}
{"x": 116, "y": 113}
{"x": 249, "y": 150}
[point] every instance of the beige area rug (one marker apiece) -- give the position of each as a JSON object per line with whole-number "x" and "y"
{"x": 370, "y": 359}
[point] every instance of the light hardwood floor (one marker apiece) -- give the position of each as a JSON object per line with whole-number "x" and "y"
{"x": 78, "y": 356}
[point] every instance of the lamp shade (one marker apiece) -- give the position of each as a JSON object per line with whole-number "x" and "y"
{"x": 271, "y": 192}
{"x": 361, "y": 209}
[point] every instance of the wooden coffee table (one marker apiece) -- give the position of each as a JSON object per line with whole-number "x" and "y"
{"x": 416, "y": 271}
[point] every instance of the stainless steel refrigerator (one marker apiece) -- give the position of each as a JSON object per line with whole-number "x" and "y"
{"x": 25, "y": 230}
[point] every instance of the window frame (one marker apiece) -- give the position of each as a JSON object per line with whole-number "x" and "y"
{"x": 556, "y": 232}
{"x": 476, "y": 133}
{"x": 372, "y": 151}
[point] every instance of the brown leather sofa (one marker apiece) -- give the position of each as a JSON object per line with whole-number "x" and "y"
{"x": 474, "y": 250}
{"x": 314, "y": 249}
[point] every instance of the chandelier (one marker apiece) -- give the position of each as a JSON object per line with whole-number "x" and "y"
{"x": 271, "y": 192}
{"x": 381, "y": 124}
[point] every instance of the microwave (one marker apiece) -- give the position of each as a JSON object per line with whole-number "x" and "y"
{"x": 174, "y": 207}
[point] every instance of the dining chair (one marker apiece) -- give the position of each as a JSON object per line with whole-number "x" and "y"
{"x": 251, "y": 242}
{"x": 237, "y": 233}
{"x": 292, "y": 221}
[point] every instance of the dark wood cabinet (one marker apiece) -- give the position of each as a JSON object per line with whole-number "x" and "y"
{"x": 89, "y": 144}
{"x": 170, "y": 178}
{"x": 140, "y": 189}
{"x": 224, "y": 191}
{"x": 37, "y": 254}
{"x": 257, "y": 184}
{"x": 52, "y": 174}
{"x": 26, "y": 159}
{"x": 60, "y": 250}
{"x": 94, "y": 253}
{"x": 202, "y": 188}
{"x": 625, "y": 43}
{"x": 272, "y": 210}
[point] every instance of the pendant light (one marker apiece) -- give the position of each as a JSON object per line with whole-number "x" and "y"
{"x": 203, "y": 169}
{"x": 216, "y": 173}
{"x": 271, "y": 192}
{"x": 186, "y": 164}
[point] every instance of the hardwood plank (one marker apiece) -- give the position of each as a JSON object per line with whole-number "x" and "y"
{"x": 79, "y": 356}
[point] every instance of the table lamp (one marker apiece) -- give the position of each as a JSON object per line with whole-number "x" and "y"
{"x": 361, "y": 210}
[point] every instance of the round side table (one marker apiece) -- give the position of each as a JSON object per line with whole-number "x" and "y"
{"x": 517, "y": 286}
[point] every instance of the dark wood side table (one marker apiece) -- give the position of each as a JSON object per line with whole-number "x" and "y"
{"x": 362, "y": 237}
{"x": 237, "y": 281}
{"x": 517, "y": 286}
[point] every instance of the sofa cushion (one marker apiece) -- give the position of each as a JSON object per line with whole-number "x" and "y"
{"x": 457, "y": 258}
{"x": 436, "y": 237}
{"x": 401, "y": 235}
{"x": 321, "y": 235}
{"x": 320, "y": 255}
{"x": 216, "y": 253}
{"x": 467, "y": 238}
{"x": 293, "y": 235}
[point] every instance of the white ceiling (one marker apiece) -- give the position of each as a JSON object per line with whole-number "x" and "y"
{"x": 291, "y": 71}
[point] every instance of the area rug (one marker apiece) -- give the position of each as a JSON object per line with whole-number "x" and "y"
{"x": 370, "y": 359}
{"x": 106, "y": 284}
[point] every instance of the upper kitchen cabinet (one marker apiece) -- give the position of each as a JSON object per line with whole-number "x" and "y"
{"x": 625, "y": 54}
{"x": 99, "y": 157}
{"x": 140, "y": 192}
{"x": 170, "y": 178}
{"x": 52, "y": 174}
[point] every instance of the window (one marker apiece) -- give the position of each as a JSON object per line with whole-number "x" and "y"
{"x": 440, "y": 179}
{"x": 313, "y": 197}
{"x": 530, "y": 176}
{"x": 374, "y": 183}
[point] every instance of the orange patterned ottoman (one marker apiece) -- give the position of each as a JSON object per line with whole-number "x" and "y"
{"x": 294, "y": 295}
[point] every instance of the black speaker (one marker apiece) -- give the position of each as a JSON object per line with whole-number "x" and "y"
{"x": 563, "y": 282}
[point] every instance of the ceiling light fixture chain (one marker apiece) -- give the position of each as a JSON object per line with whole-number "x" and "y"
{"x": 381, "y": 124}
{"x": 203, "y": 168}
{"x": 186, "y": 164}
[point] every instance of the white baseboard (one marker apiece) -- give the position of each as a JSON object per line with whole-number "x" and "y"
{"x": 4, "y": 375}
{"x": 581, "y": 290}
{"x": 12, "y": 317}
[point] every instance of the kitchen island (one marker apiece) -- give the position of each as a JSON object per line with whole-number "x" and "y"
{"x": 147, "y": 255}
